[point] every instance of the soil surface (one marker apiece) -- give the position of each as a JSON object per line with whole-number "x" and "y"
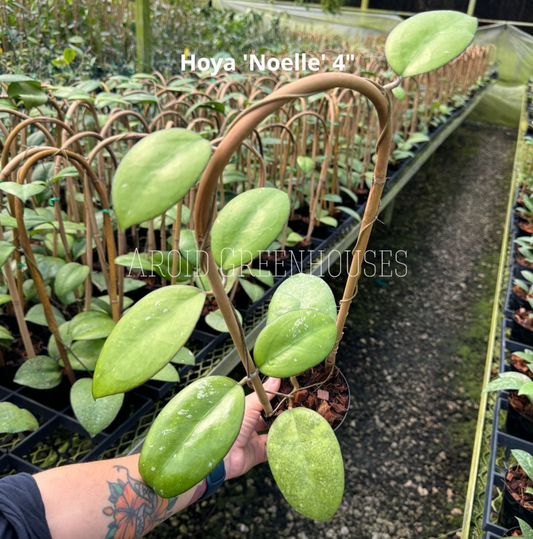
{"x": 413, "y": 354}
{"x": 517, "y": 482}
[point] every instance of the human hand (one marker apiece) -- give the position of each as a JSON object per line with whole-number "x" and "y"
{"x": 249, "y": 448}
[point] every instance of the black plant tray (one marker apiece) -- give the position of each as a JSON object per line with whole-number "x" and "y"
{"x": 511, "y": 304}
{"x": 495, "y": 479}
{"x": 509, "y": 345}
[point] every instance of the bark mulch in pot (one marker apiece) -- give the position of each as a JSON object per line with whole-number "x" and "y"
{"x": 327, "y": 395}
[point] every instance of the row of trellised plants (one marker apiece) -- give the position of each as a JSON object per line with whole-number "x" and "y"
{"x": 508, "y": 507}
{"x": 120, "y": 269}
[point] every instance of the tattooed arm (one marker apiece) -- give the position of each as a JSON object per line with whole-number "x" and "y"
{"x": 109, "y": 500}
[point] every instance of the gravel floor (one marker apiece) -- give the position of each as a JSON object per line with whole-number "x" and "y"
{"x": 413, "y": 354}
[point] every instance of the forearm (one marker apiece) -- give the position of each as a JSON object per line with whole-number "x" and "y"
{"x": 109, "y": 498}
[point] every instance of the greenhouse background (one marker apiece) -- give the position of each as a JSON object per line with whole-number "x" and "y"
{"x": 126, "y": 175}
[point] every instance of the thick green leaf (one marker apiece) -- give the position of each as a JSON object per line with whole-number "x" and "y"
{"x": 525, "y": 460}
{"x": 6, "y": 248}
{"x": 36, "y": 315}
{"x": 262, "y": 275}
{"x": 159, "y": 263}
{"x": 5, "y": 337}
{"x": 399, "y": 93}
{"x": 254, "y": 291}
{"x": 39, "y": 372}
{"x": 184, "y": 357}
{"x": 191, "y": 435}
{"x": 428, "y": 40}
{"x": 525, "y": 528}
{"x": 169, "y": 162}
{"x": 49, "y": 266}
{"x": 66, "y": 338}
{"x": 167, "y": 374}
{"x": 216, "y": 321}
{"x": 94, "y": 415}
{"x": 4, "y": 298}
{"x": 9, "y": 78}
{"x": 507, "y": 381}
{"x": 83, "y": 355}
{"x": 306, "y": 462}
{"x": 294, "y": 342}
{"x": 91, "y": 325}
{"x": 29, "y": 91}
{"x": 14, "y": 419}
{"x": 24, "y": 191}
{"x": 248, "y": 224}
{"x": 306, "y": 164}
{"x": 302, "y": 291}
{"x": 146, "y": 338}
{"x": 69, "y": 278}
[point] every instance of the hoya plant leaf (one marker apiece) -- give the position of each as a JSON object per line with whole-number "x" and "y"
{"x": 184, "y": 357}
{"x": 83, "y": 355}
{"x": 525, "y": 460}
{"x": 94, "y": 415}
{"x": 253, "y": 290}
{"x": 428, "y": 40}
{"x": 14, "y": 419}
{"x": 91, "y": 325}
{"x": 507, "y": 381}
{"x": 525, "y": 528}
{"x": 39, "y": 372}
{"x": 399, "y": 93}
{"x": 66, "y": 339}
{"x": 191, "y": 435}
{"x": 24, "y": 191}
{"x": 49, "y": 266}
{"x": 4, "y": 298}
{"x": 69, "y": 278}
{"x": 29, "y": 91}
{"x": 6, "y": 248}
{"x": 169, "y": 162}
{"x": 167, "y": 374}
{"x": 262, "y": 275}
{"x": 5, "y": 337}
{"x": 306, "y": 164}
{"x": 306, "y": 462}
{"x": 36, "y": 315}
{"x": 130, "y": 357}
{"x": 216, "y": 321}
{"x": 294, "y": 342}
{"x": 302, "y": 291}
{"x": 526, "y": 389}
{"x": 248, "y": 224}
{"x": 159, "y": 263}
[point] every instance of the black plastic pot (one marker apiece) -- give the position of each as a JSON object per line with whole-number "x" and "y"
{"x": 521, "y": 334}
{"x": 349, "y": 399}
{"x": 511, "y": 509}
{"x": 518, "y": 425}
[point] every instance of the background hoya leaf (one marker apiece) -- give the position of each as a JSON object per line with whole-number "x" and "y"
{"x": 399, "y": 93}
{"x": 294, "y": 342}
{"x": 5, "y": 337}
{"x": 302, "y": 291}
{"x": 525, "y": 460}
{"x": 39, "y": 372}
{"x": 69, "y": 278}
{"x": 94, "y": 415}
{"x": 306, "y": 164}
{"x": 216, "y": 321}
{"x": 179, "y": 450}
{"x": 6, "y": 248}
{"x": 29, "y": 91}
{"x": 23, "y": 191}
{"x": 507, "y": 381}
{"x": 428, "y": 40}
{"x": 83, "y": 355}
{"x": 36, "y": 315}
{"x": 306, "y": 462}
{"x": 90, "y": 325}
{"x": 167, "y": 374}
{"x": 525, "y": 528}
{"x": 14, "y": 419}
{"x": 184, "y": 357}
{"x": 253, "y": 290}
{"x": 147, "y": 338}
{"x": 263, "y": 275}
{"x": 248, "y": 224}
{"x": 169, "y": 162}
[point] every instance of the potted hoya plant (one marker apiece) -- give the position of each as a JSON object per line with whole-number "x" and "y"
{"x": 517, "y": 502}
{"x": 196, "y": 429}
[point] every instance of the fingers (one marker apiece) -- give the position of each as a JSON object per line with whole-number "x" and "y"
{"x": 263, "y": 457}
{"x": 252, "y": 401}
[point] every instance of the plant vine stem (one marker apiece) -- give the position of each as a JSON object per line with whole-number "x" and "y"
{"x": 247, "y": 121}
{"x": 17, "y": 304}
{"x": 234, "y": 326}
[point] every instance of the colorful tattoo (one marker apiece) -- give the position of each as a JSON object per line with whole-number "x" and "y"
{"x": 136, "y": 508}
